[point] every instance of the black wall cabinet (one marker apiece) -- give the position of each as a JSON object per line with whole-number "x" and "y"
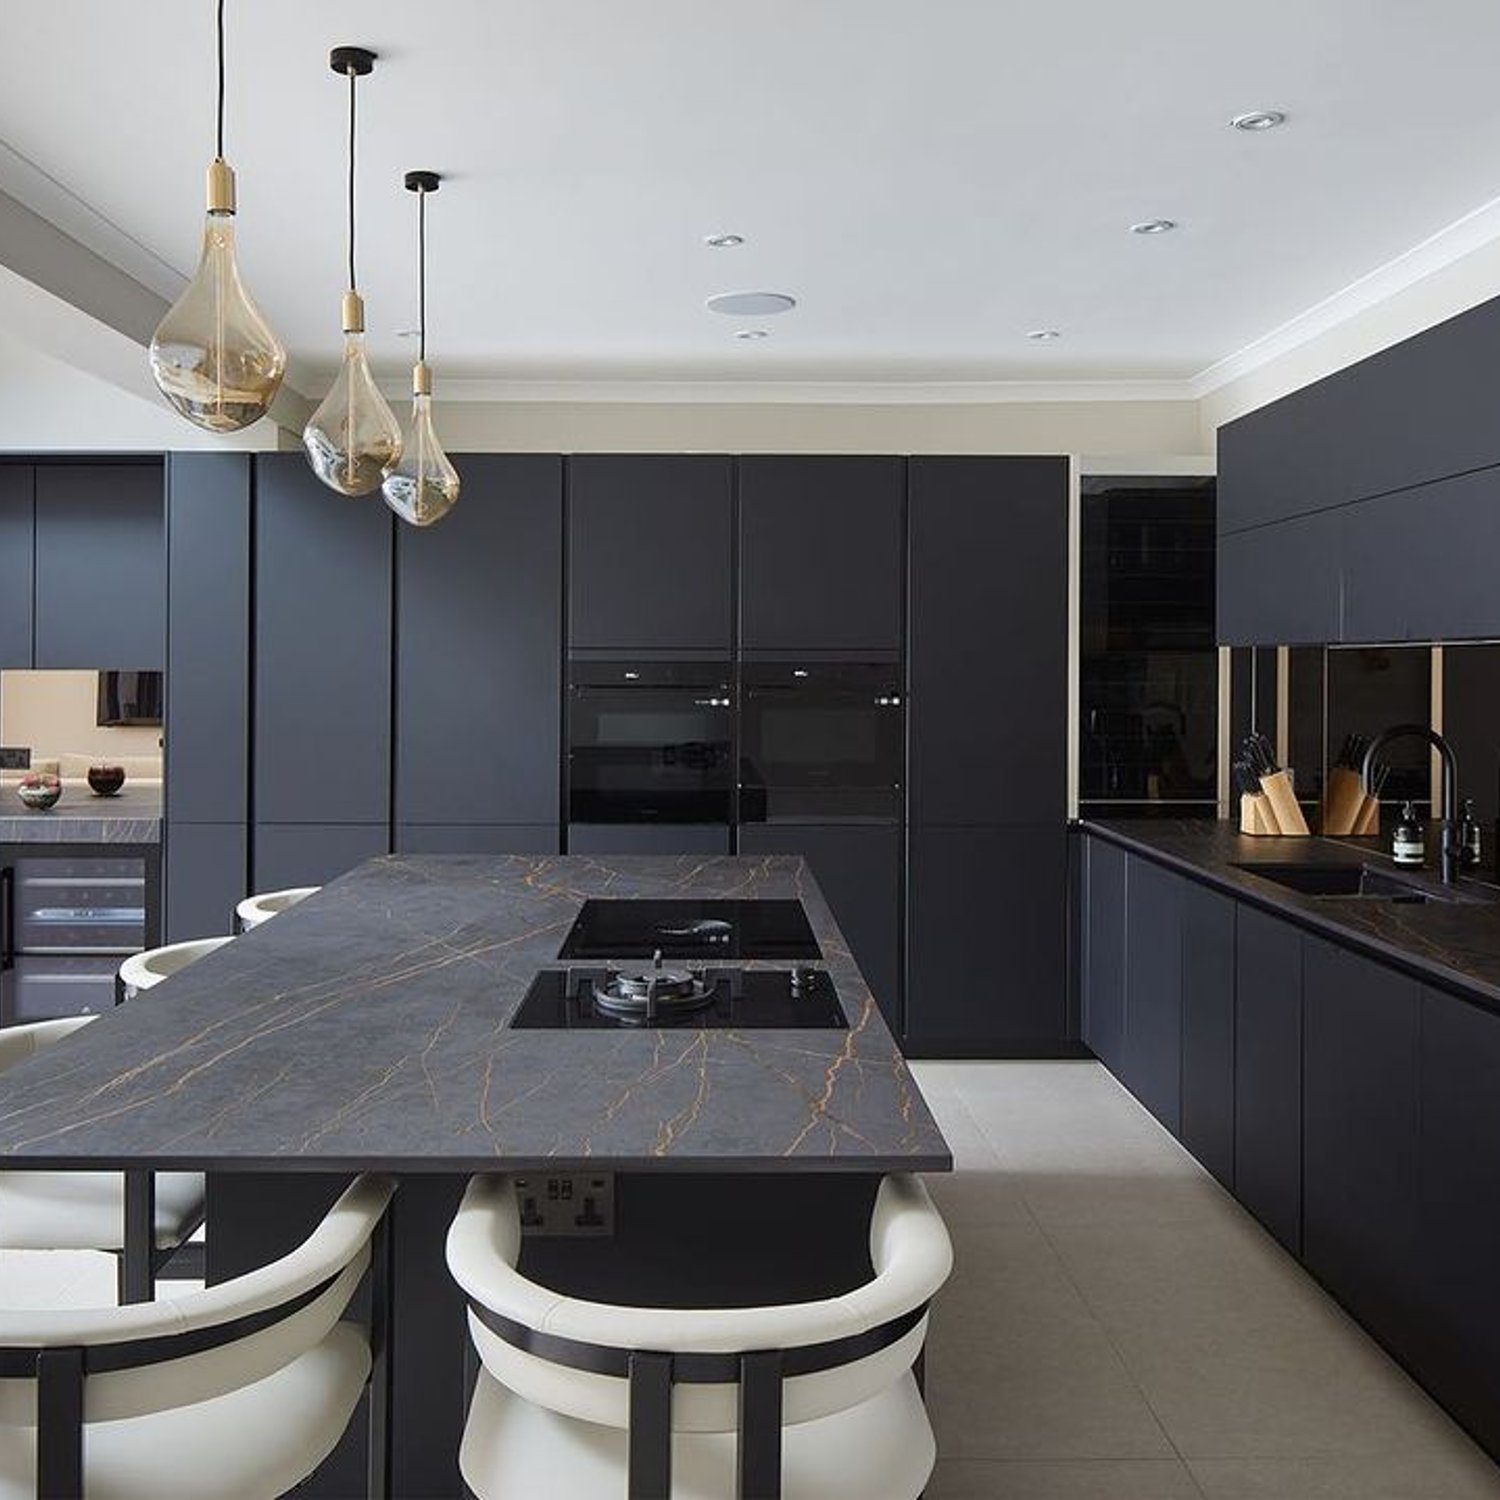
{"x": 479, "y": 650}
{"x": 1268, "y": 1073}
{"x": 986, "y": 940}
{"x": 322, "y": 651}
{"x": 1281, "y": 585}
{"x": 1360, "y": 1123}
{"x": 1208, "y": 948}
{"x": 650, "y": 553}
{"x": 820, "y": 554}
{"x": 17, "y": 561}
{"x": 858, "y": 869}
{"x": 100, "y": 566}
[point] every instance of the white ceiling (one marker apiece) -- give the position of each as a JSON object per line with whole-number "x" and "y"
{"x": 931, "y": 179}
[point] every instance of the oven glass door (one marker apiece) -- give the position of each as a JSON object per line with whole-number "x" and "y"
{"x": 650, "y": 745}
{"x": 821, "y": 743}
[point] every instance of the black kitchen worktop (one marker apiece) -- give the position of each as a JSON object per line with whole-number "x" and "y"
{"x": 1454, "y": 944}
{"x": 367, "y": 1027}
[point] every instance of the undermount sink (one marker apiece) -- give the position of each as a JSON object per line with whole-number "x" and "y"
{"x": 1344, "y": 880}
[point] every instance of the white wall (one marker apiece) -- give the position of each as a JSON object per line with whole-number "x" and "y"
{"x": 54, "y": 714}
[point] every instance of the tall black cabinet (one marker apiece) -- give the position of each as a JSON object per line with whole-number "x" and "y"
{"x": 987, "y": 672}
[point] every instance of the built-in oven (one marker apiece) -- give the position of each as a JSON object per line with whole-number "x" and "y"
{"x": 650, "y": 742}
{"x": 66, "y": 921}
{"x": 821, "y": 742}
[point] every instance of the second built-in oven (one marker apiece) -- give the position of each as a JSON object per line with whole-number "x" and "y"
{"x": 650, "y": 742}
{"x": 821, "y": 742}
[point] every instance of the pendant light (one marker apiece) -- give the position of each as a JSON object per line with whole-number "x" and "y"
{"x": 353, "y": 437}
{"x": 213, "y": 355}
{"x": 423, "y": 487}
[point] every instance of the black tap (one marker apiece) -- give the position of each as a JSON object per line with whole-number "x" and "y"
{"x": 1448, "y": 840}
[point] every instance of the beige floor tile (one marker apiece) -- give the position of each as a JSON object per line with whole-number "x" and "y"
{"x": 978, "y": 1190}
{"x": 1454, "y": 1475}
{"x": 1019, "y": 1368}
{"x": 1102, "y": 1479}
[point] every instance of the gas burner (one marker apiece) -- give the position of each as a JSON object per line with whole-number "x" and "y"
{"x": 652, "y": 996}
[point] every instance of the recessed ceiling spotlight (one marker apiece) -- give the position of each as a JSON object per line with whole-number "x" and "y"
{"x": 751, "y": 304}
{"x": 1043, "y": 335}
{"x": 753, "y": 333}
{"x": 1259, "y": 119}
{"x": 723, "y": 241}
{"x": 1154, "y": 226}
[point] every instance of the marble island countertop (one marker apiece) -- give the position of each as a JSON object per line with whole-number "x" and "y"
{"x": 1453, "y": 943}
{"x": 367, "y": 1027}
{"x": 131, "y": 816}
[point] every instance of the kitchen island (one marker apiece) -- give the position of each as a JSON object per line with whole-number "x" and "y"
{"x": 368, "y": 1028}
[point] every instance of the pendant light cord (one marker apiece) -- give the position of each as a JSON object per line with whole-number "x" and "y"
{"x": 220, "y": 137}
{"x": 422, "y": 275}
{"x": 352, "y": 283}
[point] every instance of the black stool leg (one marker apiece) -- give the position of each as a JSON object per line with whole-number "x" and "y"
{"x": 650, "y": 1427}
{"x": 59, "y": 1426}
{"x": 136, "y": 1278}
{"x": 760, "y": 1426}
{"x": 378, "y": 1483}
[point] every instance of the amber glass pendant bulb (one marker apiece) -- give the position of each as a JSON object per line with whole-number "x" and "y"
{"x": 424, "y": 486}
{"x": 213, "y": 356}
{"x": 353, "y": 437}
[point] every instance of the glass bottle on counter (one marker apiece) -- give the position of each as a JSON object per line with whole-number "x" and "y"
{"x": 1409, "y": 841}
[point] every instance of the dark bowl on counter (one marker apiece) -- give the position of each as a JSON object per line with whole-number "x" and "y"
{"x": 105, "y": 781}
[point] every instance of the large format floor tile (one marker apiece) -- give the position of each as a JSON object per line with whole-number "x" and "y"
{"x": 1096, "y": 1479}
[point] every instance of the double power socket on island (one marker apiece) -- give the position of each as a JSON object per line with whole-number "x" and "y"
{"x": 567, "y": 1203}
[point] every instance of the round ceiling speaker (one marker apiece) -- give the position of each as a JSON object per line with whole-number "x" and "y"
{"x": 751, "y": 304}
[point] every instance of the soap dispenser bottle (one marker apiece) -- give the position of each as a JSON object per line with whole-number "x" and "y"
{"x": 1408, "y": 843}
{"x": 1470, "y": 848}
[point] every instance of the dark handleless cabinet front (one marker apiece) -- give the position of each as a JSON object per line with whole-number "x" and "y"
{"x": 858, "y": 869}
{"x": 1103, "y": 979}
{"x": 205, "y": 868}
{"x": 1151, "y": 1066}
{"x": 650, "y": 553}
{"x": 101, "y": 576}
{"x": 820, "y": 554}
{"x": 1360, "y": 1128}
{"x": 322, "y": 650}
{"x": 17, "y": 561}
{"x": 1282, "y": 584}
{"x": 1268, "y": 1073}
{"x": 1208, "y": 1028}
{"x": 479, "y": 650}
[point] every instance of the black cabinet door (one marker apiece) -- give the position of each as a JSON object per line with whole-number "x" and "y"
{"x": 322, "y": 650}
{"x": 479, "y": 650}
{"x": 858, "y": 869}
{"x": 1151, "y": 1066}
{"x": 204, "y": 870}
{"x": 985, "y": 948}
{"x": 650, "y": 552}
{"x": 312, "y": 853}
{"x": 1280, "y": 585}
{"x": 17, "y": 561}
{"x": 1208, "y": 1028}
{"x": 476, "y": 838}
{"x": 648, "y": 838}
{"x": 987, "y": 639}
{"x": 101, "y": 574}
{"x": 1420, "y": 566}
{"x": 1268, "y": 1073}
{"x": 1360, "y": 1121}
{"x": 1103, "y": 981}
{"x": 820, "y": 554}
{"x": 1459, "y": 1211}
{"x": 208, "y": 653}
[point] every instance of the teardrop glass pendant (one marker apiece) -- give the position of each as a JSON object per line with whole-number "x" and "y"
{"x": 213, "y": 355}
{"x": 424, "y": 486}
{"x": 353, "y": 438}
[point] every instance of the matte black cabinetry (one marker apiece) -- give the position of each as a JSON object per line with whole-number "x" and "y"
{"x": 858, "y": 869}
{"x": 479, "y": 650}
{"x": 1281, "y": 584}
{"x": 100, "y": 566}
{"x": 17, "y": 560}
{"x": 1268, "y": 1073}
{"x": 284, "y": 854}
{"x": 820, "y": 554}
{"x": 1103, "y": 929}
{"x": 205, "y": 869}
{"x": 650, "y": 553}
{"x": 1208, "y": 949}
{"x": 322, "y": 719}
{"x": 1360, "y": 1128}
{"x": 1151, "y": 1057}
{"x": 986, "y": 940}
{"x": 648, "y": 838}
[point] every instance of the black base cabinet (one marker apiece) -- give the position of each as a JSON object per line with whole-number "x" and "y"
{"x": 986, "y": 940}
{"x": 858, "y": 869}
{"x": 1151, "y": 1060}
{"x": 204, "y": 877}
{"x": 1102, "y": 988}
{"x": 286, "y": 854}
{"x": 648, "y": 838}
{"x": 1208, "y": 947}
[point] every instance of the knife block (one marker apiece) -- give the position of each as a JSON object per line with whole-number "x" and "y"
{"x": 1346, "y": 808}
{"x": 1255, "y": 815}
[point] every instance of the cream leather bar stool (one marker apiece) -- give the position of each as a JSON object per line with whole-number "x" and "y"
{"x": 254, "y": 910}
{"x": 806, "y": 1401}
{"x": 107, "y": 1211}
{"x": 143, "y": 970}
{"x": 241, "y": 1390}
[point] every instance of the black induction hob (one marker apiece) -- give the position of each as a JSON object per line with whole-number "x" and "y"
{"x": 718, "y": 999}
{"x": 709, "y": 930}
